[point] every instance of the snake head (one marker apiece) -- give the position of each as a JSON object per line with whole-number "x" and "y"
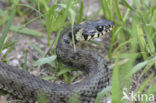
{"x": 93, "y": 29}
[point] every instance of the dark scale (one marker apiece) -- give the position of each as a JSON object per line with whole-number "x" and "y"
{"x": 62, "y": 99}
{"x": 98, "y": 35}
{"x": 92, "y": 36}
{"x": 85, "y": 36}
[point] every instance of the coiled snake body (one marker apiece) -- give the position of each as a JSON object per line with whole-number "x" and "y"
{"x": 29, "y": 88}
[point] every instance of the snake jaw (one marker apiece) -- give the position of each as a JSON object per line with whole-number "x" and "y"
{"x": 93, "y": 29}
{"x": 99, "y": 34}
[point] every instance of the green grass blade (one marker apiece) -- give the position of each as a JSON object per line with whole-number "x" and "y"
{"x": 127, "y": 5}
{"x": 145, "y": 83}
{"x": 49, "y": 78}
{"x": 116, "y": 96}
{"x": 102, "y": 94}
{"x": 105, "y": 8}
{"x": 152, "y": 89}
{"x": 62, "y": 21}
{"x": 80, "y": 12}
{"x": 139, "y": 66}
{"x": 142, "y": 88}
{"x": 6, "y": 29}
{"x": 118, "y": 13}
{"x": 9, "y": 51}
{"x": 25, "y": 30}
{"x": 65, "y": 70}
{"x": 151, "y": 11}
{"x": 37, "y": 49}
{"x": 66, "y": 77}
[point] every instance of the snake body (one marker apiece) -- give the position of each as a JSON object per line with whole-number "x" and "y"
{"x": 29, "y": 88}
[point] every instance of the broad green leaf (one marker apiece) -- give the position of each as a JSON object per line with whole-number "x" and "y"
{"x": 49, "y": 78}
{"x": 45, "y": 60}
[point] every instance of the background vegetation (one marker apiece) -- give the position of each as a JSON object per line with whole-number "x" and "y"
{"x": 132, "y": 47}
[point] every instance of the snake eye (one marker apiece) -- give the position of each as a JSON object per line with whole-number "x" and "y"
{"x": 99, "y": 28}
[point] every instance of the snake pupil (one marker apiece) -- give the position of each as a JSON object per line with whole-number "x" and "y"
{"x": 100, "y": 28}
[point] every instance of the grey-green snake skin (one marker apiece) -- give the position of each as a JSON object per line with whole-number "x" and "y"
{"x": 28, "y": 87}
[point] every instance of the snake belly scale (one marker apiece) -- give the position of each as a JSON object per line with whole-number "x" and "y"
{"x": 28, "y": 87}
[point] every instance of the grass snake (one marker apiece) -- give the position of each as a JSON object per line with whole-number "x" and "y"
{"x": 28, "y": 87}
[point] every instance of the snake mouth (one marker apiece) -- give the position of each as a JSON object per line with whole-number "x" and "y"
{"x": 106, "y": 29}
{"x": 91, "y": 30}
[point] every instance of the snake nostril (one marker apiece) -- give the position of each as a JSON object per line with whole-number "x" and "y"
{"x": 66, "y": 41}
